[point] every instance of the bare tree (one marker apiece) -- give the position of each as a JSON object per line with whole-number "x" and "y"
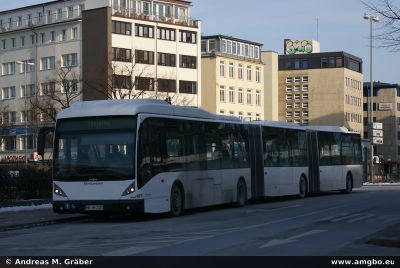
{"x": 57, "y": 93}
{"x": 389, "y": 12}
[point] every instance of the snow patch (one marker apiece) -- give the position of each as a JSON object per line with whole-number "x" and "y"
{"x": 26, "y": 208}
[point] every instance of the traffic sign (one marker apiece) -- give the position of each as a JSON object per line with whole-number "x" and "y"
{"x": 377, "y": 140}
{"x": 377, "y": 126}
{"x": 377, "y": 133}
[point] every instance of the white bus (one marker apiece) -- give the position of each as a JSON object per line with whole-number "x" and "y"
{"x": 133, "y": 156}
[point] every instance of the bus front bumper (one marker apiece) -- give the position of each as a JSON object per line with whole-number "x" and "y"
{"x": 99, "y": 207}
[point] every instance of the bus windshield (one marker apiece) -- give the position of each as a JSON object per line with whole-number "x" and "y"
{"x": 95, "y": 149}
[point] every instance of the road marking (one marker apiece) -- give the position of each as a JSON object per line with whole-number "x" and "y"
{"x": 346, "y": 217}
{"x": 129, "y": 251}
{"x": 278, "y": 242}
{"x": 333, "y": 217}
{"x": 361, "y": 218}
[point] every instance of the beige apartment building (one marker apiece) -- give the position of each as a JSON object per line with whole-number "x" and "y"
{"x": 386, "y": 110}
{"x": 232, "y": 77}
{"x": 321, "y": 89}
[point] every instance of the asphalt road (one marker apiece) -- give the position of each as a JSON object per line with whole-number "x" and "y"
{"x": 330, "y": 224}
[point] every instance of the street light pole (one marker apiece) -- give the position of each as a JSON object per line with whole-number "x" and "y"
{"x": 371, "y": 95}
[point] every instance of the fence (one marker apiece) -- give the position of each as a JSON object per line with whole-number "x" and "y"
{"x": 20, "y": 182}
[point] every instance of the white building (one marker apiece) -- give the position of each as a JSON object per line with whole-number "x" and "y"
{"x": 151, "y": 47}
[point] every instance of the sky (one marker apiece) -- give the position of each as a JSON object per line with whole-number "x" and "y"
{"x": 341, "y": 27}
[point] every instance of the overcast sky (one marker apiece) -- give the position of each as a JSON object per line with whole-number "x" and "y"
{"x": 341, "y": 26}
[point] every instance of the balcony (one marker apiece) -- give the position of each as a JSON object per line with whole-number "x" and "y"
{"x": 33, "y": 22}
{"x": 131, "y": 14}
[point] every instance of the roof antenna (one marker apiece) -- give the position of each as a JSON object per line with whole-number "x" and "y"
{"x": 317, "y": 30}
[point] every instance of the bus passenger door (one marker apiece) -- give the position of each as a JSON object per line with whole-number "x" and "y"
{"x": 313, "y": 162}
{"x": 257, "y": 163}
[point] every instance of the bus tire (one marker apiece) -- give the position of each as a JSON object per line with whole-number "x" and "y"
{"x": 177, "y": 201}
{"x": 302, "y": 187}
{"x": 241, "y": 196}
{"x": 349, "y": 184}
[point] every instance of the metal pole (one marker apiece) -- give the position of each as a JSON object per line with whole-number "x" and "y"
{"x": 26, "y": 119}
{"x": 371, "y": 92}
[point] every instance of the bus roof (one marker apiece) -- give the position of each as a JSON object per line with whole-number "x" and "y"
{"x": 330, "y": 129}
{"x": 134, "y": 107}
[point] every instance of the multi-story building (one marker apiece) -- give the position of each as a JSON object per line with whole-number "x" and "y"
{"x": 233, "y": 77}
{"x": 386, "y": 110}
{"x": 96, "y": 49}
{"x": 321, "y": 89}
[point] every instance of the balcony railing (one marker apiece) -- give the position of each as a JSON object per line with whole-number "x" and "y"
{"x": 34, "y": 22}
{"x": 182, "y": 21}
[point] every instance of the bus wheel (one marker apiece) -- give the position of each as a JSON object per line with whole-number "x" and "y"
{"x": 302, "y": 187}
{"x": 349, "y": 184}
{"x": 177, "y": 206}
{"x": 241, "y": 197}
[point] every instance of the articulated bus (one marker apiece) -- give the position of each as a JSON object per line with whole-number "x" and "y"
{"x": 135, "y": 156}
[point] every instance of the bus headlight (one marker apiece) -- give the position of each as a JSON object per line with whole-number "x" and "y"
{"x": 129, "y": 190}
{"x": 58, "y": 191}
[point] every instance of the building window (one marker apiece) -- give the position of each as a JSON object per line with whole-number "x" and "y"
{"x": 297, "y": 88}
{"x": 13, "y": 42}
{"x": 305, "y": 113}
{"x": 47, "y": 88}
{"x": 22, "y": 41}
{"x": 122, "y": 82}
{"x": 166, "y": 34}
{"x": 231, "y": 70}
{"x": 249, "y": 116}
{"x": 8, "y": 93}
{"x": 240, "y": 71}
{"x": 144, "y": 83}
{"x": 305, "y": 88}
{"x": 258, "y": 75}
{"x": 229, "y": 47}
{"x": 4, "y": 44}
{"x": 187, "y": 87}
{"x": 69, "y": 86}
{"x": 297, "y": 79}
{"x": 258, "y": 97}
{"x": 166, "y": 85}
{"x": 59, "y": 13}
{"x": 289, "y": 105}
{"x": 249, "y": 95}
{"x": 144, "y": 31}
{"x": 144, "y": 57}
{"x": 289, "y": 114}
{"x": 221, "y": 111}
{"x": 69, "y": 60}
{"x": 47, "y": 63}
{"x": 297, "y": 105}
{"x": 241, "y": 115}
{"x": 222, "y": 68}
{"x": 289, "y": 88}
{"x": 8, "y": 68}
{"x": 188, "y": 61}
{"x": 296, "y": 114}
{"x": 165, "y": 59}
{"x": 289, "y": 97}
{"x": 43, "y": 38}
{"x": 27, "y": 91}
{"x": 231, "y": 95}
{"x": 305, "y": 96}
{"x": 249, "y": 72}
{"x": 120, "y": 27}
{"x": 121, "y": 54}
{"x": 240, "y": 96}
{"x": 53, "y": 36}
{"x": 70, "y": 11}
{"x": 297, "y": 96}
{"x": 28, "y": 66}
{"x": 257, "y": 53}
{"x": 75, "y": 33}
{"x": 63, "y": 35}
{"x": 187, "y": 37}
{"x": 222, "y": 94}
{"x": 289, "y": 79}
{"x": 304, "y": 79}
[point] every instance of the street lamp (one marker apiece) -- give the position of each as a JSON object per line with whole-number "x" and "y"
{"x": 371, "y": 90}
{"x": 24, "y": 65}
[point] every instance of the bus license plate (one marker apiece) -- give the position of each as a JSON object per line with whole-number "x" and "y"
{"x": 94, "y": 208}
